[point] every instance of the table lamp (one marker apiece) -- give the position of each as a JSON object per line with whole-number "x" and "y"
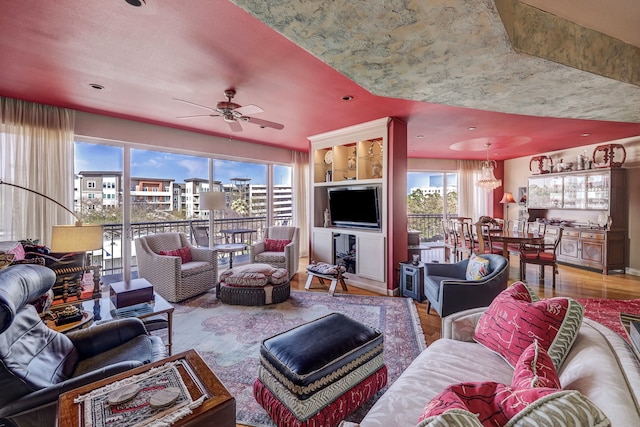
{"x": 507, "y": 198}
{"x": 210, "y": 201}
{"x": 71, "y": 238}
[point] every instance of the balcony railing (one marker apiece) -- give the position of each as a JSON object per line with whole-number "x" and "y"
{"x": 110, "y": 258}
{"x": 429, "y": 225}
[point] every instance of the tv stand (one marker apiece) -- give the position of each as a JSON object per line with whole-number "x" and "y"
{"x": 365, "y": 155}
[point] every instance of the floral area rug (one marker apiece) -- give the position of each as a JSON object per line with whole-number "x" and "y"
{"x": 607, "y": 311}
{"x": 228, "y": 337}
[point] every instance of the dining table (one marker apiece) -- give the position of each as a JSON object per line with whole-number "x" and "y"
{"x": 506, "y": 237}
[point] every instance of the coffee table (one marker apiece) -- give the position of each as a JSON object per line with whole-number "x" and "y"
{"x": 218, "y": 408}
{"x": 104, "y": 310}
{"x": 230, "y": 248}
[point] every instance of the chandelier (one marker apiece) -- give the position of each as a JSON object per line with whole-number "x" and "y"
{"x": 488, "y": 181}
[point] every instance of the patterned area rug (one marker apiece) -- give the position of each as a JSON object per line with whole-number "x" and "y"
{"x": 229, "y": 337}
{"x": 607, "y": 311}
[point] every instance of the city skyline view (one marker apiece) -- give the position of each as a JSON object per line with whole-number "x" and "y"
{"x": 158, "y": 164}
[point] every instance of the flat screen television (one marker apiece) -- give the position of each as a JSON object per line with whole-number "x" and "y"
{"x": 355, "y": 207}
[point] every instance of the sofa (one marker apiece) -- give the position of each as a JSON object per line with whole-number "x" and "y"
{"x": 448, "y": 290}
{"x": 599, "y": 364}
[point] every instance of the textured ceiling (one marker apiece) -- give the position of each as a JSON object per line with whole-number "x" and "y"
{"x": 453, "y": 52}
{"x": 447, "y": 68}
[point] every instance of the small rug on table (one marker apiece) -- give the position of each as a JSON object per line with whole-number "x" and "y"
{"x": 228, "y": 337}
{"x": 607, "y": 311}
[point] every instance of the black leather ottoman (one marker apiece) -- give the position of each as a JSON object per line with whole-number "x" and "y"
{"x": 320, "y": 372}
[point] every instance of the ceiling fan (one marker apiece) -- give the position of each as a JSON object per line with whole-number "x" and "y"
{"x": 233, "y": 113}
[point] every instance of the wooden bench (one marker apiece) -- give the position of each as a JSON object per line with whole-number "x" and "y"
{"x": 333, "y": 278}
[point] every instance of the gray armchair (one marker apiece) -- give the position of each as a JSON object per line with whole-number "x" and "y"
{"x": 37, "y": 364}
{"x": 288, "y": 259}
{"x": 170, "y": 277}
{"x": 448, "y": 291}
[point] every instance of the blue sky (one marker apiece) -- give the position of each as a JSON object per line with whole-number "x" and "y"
{"x": 158, "y": 164}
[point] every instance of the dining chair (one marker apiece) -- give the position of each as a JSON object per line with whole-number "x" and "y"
{"x": 490, "y": 247}
{"x": 468, "y": 244}
{"x": 536, "y": 227}
{"x": 450, "y": 241}
{"x": 542, "y": 255}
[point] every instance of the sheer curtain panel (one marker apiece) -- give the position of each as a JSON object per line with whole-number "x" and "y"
{"x": 473, "y": 201}
{"x": 301, "y": 198}
{"x": 36, "y": 147}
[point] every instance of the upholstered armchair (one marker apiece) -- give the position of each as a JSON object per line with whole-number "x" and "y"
{"x": 176, "y": 269}
{"x": 448, "y": 291}
{"x": 37, "y": 364}
{"x": 276, "y": 251}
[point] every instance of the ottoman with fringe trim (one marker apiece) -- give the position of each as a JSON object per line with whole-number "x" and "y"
{"x": 320, "y": 372}
{"x": 254, "y": 284}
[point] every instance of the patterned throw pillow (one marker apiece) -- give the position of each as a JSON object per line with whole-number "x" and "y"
{"x": 535, "y": 369}
{"x": 183, "y": 253}
{"x": 517, "y": 317}
{"x": 275, "y": 245}
{"x": 477, "y": 267}
{"x": 493, "y": 403}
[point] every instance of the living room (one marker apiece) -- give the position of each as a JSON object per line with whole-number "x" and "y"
{"x": 575, "y": 113}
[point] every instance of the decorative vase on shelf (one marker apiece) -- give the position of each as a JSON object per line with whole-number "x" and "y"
{"x": 326, "y": 218}
{"x": 376, "y": 169}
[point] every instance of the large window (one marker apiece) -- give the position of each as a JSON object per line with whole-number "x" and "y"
{"x": 430, "y": 197}
{"x": 164, "y": 193}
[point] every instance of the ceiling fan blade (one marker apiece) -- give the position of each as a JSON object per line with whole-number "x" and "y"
{"x": 193, "y": 103}
{"x": 263, "y": 123}
{"x": 235, "y": 126}
{"x": 246, "y": 110}
{"x": 199, "y": 115}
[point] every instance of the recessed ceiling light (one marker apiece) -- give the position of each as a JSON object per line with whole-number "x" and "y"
{"x": 347, "y": 98}
{"x": 585, "y": 134}
{"x": 419, "y": 136}
{"x": 96, "y": 86}
{"x": 136, "y": 3}
{"x": 471, "y": 128}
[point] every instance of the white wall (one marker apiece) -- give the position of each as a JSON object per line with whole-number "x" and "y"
{"x": 516, "y": 172}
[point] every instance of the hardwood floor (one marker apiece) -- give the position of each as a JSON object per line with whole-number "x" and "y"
{"x": 571, "y": 282}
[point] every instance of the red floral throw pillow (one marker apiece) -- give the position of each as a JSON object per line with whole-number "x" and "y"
{"x": 517, "y": 317}
{"x": 275, "y": 245}
{"x": 535, "y": 369}
{"x": 183, "y": 253}
{"x": 494, "y": 404}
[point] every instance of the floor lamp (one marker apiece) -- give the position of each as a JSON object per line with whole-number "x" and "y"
{"x": 211, "y": 201}
{"x": 507, "y": 198}
{"x": 72, "y": 238}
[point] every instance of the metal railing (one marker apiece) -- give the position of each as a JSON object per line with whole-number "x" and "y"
{"x": 429, "y": 225}
{"x": 110, "y": 258}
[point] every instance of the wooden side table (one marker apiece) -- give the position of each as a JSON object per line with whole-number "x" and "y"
{"x": 218, "y": 409}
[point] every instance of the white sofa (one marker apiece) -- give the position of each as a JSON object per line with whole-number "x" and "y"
{"x": 600, "y": 365}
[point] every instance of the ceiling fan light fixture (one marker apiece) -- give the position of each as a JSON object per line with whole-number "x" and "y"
{"x": 488, "y": 181}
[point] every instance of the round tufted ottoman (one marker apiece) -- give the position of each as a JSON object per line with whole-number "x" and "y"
{"x": 254, "y": 284}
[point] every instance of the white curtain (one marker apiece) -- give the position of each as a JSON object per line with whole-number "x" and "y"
{"x": 36, "y": 147}
{"x": 473, "y": 202}
{"x": 301, "y": 198}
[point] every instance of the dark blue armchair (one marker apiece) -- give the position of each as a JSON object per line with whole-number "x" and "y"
{"x": 448, "y": 291}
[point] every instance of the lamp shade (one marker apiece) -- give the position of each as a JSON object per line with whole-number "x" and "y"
{"x": 507, "y": 198}
{"x": 212, "y": 200}
{"x": 76, "y": 238}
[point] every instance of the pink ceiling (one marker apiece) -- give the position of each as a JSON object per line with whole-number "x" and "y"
{"x": 146, "y": 57}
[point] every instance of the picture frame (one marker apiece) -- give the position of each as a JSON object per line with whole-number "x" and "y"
{"x": 522, "y": 196}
